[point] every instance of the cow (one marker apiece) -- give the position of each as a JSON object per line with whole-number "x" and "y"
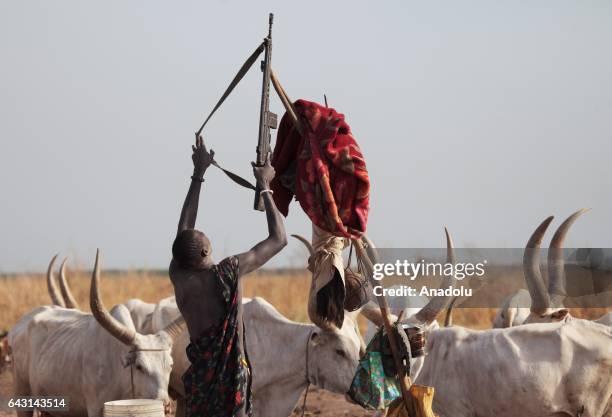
{"x": 540, "y": 369}
{"x": 534, "y": 370}
{"x": 90, "y": 358}
{"x": 285, "y": 356}
{"x": 539, "y": 304}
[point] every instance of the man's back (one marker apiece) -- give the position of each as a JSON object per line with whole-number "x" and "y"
{"x": 199, "y": 297}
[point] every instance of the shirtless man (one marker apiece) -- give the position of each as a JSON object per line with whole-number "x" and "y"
{"x": 209, "y": 297}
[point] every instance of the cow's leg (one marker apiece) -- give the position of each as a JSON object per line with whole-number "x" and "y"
{"x": 21, "y": 388}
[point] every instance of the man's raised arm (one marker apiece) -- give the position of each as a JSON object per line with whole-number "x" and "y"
{"x": 277, "y": 238}
{"x": 201, "y": 161}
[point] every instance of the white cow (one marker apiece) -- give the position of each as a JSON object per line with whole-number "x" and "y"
{"x": 91, "y": 358}
{"x": 535, "y": 370}
{"x": 548, "y": 305}
{"x": 285, "y": 356}
{"x": 543, "y": 369}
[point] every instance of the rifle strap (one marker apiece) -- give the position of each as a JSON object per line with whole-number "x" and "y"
{"x": 241, "y": 72}
{"x": 235, "y": 177}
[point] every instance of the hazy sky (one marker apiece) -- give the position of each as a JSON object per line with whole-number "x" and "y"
{"x": 484, "y": 116}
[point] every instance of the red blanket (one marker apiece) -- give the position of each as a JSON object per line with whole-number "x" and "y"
{"x": 325, "y": 170}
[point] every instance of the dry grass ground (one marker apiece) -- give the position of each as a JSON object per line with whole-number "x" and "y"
{"x": 286, "y": 290}
{"x": 21, "y": 293}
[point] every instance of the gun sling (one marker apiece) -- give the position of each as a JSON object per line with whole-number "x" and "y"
{"x": 243, "y": 70}
{"x": 279, "y": 90}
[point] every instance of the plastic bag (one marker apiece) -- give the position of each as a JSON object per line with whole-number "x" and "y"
{"x": 371, "y": 388}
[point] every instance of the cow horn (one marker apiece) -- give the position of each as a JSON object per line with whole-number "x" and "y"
{"x": 556, "y": 265}
{"x": 430, "y": 311}
{"x": 54, "y": 293}
{"x": 69, "y": 299}
{"x": 175, "y": 328}
{"x": 306, "y": 243}
{"x": 531, "y": 269}
{"x": 450, "y": 248}
{"x": 448, "y": 320}
{"x": 373, "y": 313}
{"x": 111, "y": 324}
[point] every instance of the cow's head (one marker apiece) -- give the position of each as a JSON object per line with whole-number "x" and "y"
{"x": 146, "y": 357}
{"x": 547, "y": 303}
{"x": 333, "y": 355}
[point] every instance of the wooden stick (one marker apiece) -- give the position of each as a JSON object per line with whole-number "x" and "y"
{"x": 422, "y": 401}
{"x": 287, "y": 103}
{"x": 384, "y": 308}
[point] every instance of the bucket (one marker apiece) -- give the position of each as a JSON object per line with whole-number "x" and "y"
{"x": 134, "y": 408}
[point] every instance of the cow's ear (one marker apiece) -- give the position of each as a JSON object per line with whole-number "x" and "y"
{"x": 559, "y": 315}
{"x": 315, "y": 338}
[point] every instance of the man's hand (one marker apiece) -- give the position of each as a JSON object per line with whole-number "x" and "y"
{"x": 201, "y": 157}
{"x": 263, "y": 174}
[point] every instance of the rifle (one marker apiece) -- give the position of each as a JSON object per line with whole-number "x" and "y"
{"x": 267, "y": 119}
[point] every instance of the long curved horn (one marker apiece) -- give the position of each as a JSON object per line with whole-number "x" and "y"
{"x": 373, "y": 313}
{"x": 531, "y": 269}
{"x": 448, "y": 320}
{"x": 111, "y": 324}
{"x": 175, "y": 328}
{"x": 556, "y": 264}
{"x": 306, "y": 243}
{"x": 430, "y": 311}
{"x": 54, "y": 293}
{"x": 450, "y": 248}
{"x": 69, "y": 299}
{"x": 370, "y": 310}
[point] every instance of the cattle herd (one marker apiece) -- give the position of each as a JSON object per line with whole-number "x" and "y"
{"x": 538, "y": 360}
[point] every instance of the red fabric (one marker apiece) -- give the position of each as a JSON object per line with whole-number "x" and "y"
{"x": 332, "y": 182}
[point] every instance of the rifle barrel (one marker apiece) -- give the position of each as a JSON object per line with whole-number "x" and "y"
{"x": 263, "y": 143}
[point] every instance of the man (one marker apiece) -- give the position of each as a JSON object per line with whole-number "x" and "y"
{"x": 209, "y": 297}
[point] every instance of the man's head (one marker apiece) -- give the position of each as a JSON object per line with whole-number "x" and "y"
{"x": 191, "y": 249}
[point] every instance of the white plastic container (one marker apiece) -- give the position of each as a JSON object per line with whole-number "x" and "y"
{"x": 134, "y": 408}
